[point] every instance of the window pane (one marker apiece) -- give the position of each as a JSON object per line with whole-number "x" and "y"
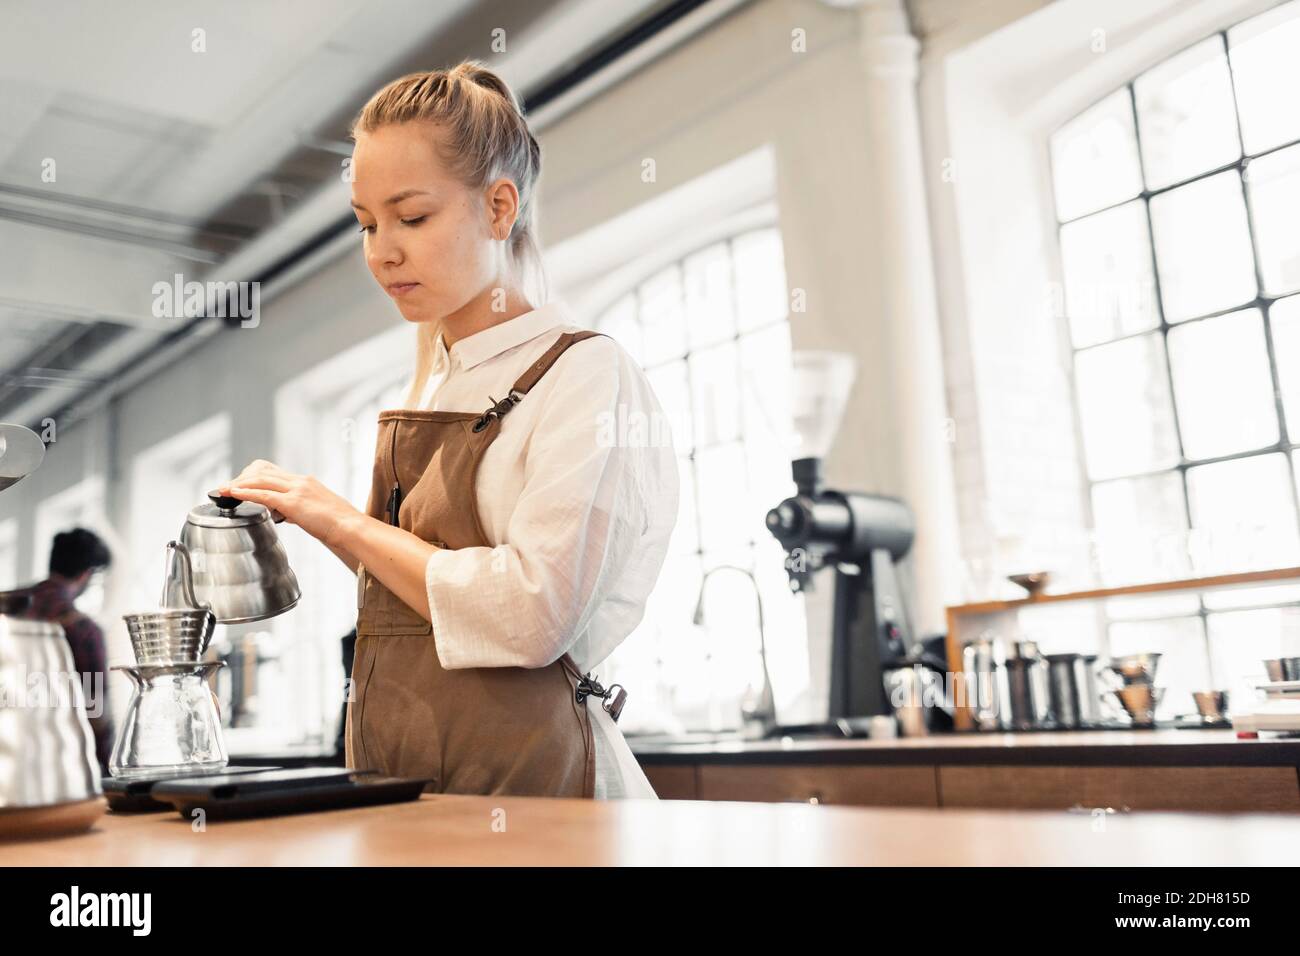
{"x": 1141, "y": 528}
{"x": 1203, "y": 252}
{"x": 1095, "y": 158}
{"x": 715, "y": 394}
{"x": 1222, "y": 385}
{"x": 709, "y": 318}
{"x": 1243, "y": 515}
{"x": 1240, "y": 642}
{"x": 1186, "y": 115}
{"x": 1183, "y": 666}
{"x": 1144, "y": 607}
{"x": 724, "y": 505}
{"x": 1124, "y": 407}
{"x": 759, "y": 261}
{"x": 674, "y": 394}
{"x": 1274, "y": 185}
{"x": 686, "y": 533}
{"x": 1109, "y": 286}
{"x": 620, "y": 323}
{"x": 1284, "y": 320}
{"x": 766, "y": 402}
{"x": 662, "y": 317}
{"x": 1252, "y": 597}
{"x": 1266, "y": 72}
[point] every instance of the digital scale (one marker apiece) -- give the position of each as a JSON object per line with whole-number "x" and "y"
{"x": 1277, "y": 710}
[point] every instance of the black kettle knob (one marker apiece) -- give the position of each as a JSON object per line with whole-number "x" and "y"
{"x": 225, "y": 502}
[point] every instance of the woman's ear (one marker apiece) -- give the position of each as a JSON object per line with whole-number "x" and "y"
{"x": 503, "y": 207}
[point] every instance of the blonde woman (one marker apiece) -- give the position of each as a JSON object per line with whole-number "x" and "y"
{"x": 515, "y": 525}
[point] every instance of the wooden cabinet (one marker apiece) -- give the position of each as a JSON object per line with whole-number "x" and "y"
{"x": 863, "y": 786}
{"x": 1211, "y": 789}
{"x": 674, "y": 781}
{"x": 1138, "y": 788}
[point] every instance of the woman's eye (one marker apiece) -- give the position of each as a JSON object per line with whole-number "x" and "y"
{"x": 366, "y": 229}
{"x": 413, "y": 222}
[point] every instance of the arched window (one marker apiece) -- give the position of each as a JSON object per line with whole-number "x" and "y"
{"x": 1178, "y": 198}
{"x": 712, "y": 332}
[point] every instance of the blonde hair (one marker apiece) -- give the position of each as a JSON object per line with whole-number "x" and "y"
{"x": 484, "y": 137}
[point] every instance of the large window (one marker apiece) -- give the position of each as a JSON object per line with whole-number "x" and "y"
{"x": 1178, "y": 198}
{"x": 712, "y": 333}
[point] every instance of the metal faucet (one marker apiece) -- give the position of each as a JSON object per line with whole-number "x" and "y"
{"x": 760, "y": 713}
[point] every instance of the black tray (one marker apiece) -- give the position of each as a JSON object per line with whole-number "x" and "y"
{"x": 300, "y": 790}
{"x": 133, "y": 794}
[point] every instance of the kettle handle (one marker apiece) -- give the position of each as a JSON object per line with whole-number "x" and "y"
{"x": 227, "y": 503}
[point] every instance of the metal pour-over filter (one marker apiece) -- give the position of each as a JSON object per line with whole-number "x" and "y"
{"x": 181, "y": 629}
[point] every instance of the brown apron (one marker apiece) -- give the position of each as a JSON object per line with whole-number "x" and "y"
{"x": 483, "y": 730}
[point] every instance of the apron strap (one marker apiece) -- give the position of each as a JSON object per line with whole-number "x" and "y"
{"x": 539, "y": 368}
{"x": 532, "y": 375}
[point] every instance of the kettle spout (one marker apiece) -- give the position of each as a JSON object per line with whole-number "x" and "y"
{"x": 178, "y": 584}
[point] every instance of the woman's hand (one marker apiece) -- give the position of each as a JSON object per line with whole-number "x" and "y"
{"x": 302, "y": 499}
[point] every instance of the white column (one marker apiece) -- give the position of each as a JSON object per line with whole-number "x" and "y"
{"x": 909, "y": 305}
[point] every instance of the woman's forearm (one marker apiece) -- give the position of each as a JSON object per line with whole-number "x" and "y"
{"x": 348, "y": 559}
{"x": 396, "y": 557}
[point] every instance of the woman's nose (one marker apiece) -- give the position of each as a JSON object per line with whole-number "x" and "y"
{"x": 383, "y": 250}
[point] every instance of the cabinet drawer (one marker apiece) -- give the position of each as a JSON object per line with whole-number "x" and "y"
{"x": 673, "y": 781}
{"x": 834, "y": 784}
{"x": 1139, "y": 788}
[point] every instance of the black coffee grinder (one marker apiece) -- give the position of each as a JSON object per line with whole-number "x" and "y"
{"x": 860, "y": 536}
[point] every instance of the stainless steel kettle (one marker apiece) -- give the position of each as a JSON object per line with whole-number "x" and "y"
{"x": 47, "y": 751}
{"x": 235, "y": 561}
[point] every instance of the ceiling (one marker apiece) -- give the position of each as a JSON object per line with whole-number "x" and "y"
{"x": 141, "y": 140}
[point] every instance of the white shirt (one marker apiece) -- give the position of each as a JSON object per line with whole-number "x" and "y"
{"x": 578, "y": 495}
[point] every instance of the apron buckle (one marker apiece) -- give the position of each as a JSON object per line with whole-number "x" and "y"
{"x": 497, "y": 409}
{"x": 589, "y": 686}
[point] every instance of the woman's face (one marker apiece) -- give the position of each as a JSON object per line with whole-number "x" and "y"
{"x": 428, "y": 238}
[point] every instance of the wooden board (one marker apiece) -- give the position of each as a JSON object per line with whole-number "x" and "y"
{"x": 1237, "y": 789}
{"x": 809, "y": 783}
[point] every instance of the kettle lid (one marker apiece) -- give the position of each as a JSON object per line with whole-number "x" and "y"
{"x": 223, "y": 511}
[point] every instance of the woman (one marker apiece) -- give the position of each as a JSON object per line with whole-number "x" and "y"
{"x": 516, "y": 522}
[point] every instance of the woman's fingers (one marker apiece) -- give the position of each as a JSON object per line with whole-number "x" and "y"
{"x": 262, "y": 496}
{"x": 263, "y": 482}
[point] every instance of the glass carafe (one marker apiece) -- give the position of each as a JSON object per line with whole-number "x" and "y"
{"x": 172, "y": 723}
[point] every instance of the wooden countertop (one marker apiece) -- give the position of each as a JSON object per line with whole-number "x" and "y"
{"x": 1072, "y": 748}
{"x": 458, "y": 830}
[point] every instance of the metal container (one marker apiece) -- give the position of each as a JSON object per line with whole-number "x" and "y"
{"x": 1212, "y": 705}
{"x": 236, "y": 562}
{"x": 916, "y": 696}
{"x": 1072, "y": 683}
{"x": 168, "y": 636}
{"x": 1283, "y": 668}
{"x": 1140, "y": 702}
{"x": 47, "y": 750}
{"x": 1136, "y": 668}
{"x": 1027, "y": 683}
{"x": 987, "y": 691}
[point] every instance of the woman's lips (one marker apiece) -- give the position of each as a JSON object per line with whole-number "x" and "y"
{"x": 401, "y": 288}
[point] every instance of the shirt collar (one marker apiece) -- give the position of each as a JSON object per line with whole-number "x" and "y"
{"x": 481, "y": 346}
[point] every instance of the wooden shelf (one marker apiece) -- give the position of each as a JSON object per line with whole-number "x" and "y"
{"x": 955, "y": 640}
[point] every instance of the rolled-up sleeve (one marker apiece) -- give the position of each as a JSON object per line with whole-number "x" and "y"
{"x": 578, "y": 518}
